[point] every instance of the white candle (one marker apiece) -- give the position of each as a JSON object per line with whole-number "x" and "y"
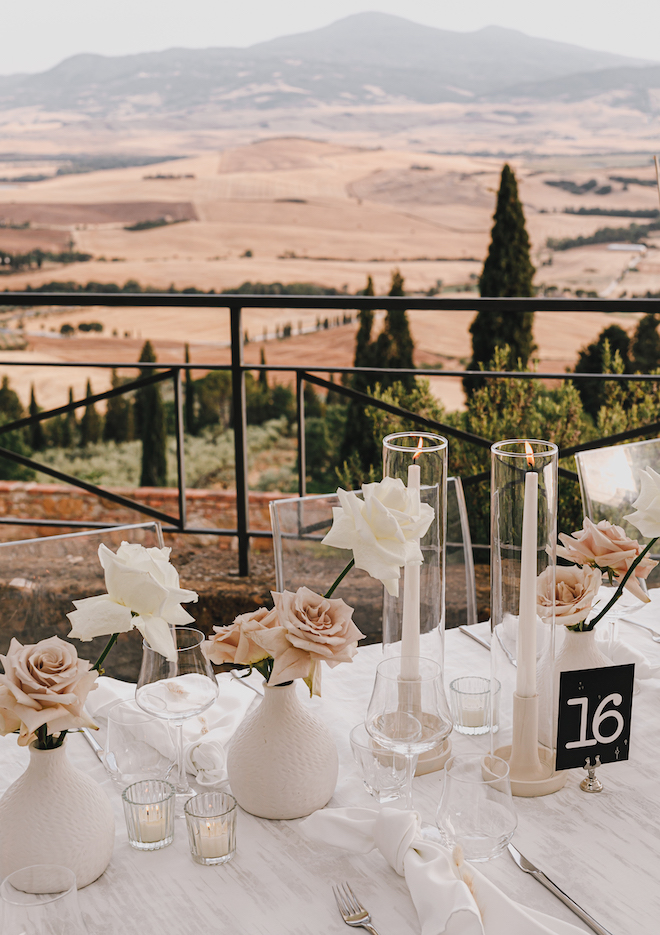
{"x": 411, "y": 593}
{"x": 526, "y": 654}
{"x": 151, "y": 824}
{"x": 212, "y": 839}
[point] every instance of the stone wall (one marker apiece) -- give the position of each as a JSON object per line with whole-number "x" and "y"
{"x": 206, "y": 509}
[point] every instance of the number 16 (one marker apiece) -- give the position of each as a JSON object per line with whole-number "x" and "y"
{"x": 599, "y": 716}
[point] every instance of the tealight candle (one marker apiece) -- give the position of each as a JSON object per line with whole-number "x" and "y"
{"x": 151, "y": 824}
{"x": 212, "y": 839}
{"x": 149, "y": 814}
{"x": 211, "y": 823}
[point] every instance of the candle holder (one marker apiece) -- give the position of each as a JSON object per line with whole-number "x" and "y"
{"x": 414, "y": 621}
{"x": 211, "y": 823}
{"x": 149, "y": 813}
{"x": 523, "y": 544}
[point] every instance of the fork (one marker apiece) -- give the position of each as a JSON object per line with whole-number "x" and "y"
{"x": 352, "y": 911}
{"x": 655, "y": 636}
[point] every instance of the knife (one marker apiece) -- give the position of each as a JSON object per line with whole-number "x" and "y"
{"x": 473, "y": 636}
{"x": 529, "y": 867}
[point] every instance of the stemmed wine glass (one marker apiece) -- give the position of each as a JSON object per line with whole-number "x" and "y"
{"x": 408, "y": 713}
{"x": 177, "y": 690}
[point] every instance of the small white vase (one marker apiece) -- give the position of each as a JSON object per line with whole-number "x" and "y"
{"x": 282, "y": 762}
{"x": 56, "y": 814}
{"x": 579, "y": 650}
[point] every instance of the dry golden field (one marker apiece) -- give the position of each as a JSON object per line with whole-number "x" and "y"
{"x": 308, "y": 211}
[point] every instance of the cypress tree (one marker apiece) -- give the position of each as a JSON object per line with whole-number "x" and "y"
{"x": 11, "y": 410}
{"x": 90, "y": 424}
{"x": 36, "y": 436}
{"x": 68, "y": 428}
{"x": 646, "y": 344}
{"x": 118, "y": 425}
{"x": 394, "y": 345}
{"x": 507, "y": 272}
{"x": 189, "y": 400}
{"x": 591, "y": 360}
{"x": 150, "y": 417}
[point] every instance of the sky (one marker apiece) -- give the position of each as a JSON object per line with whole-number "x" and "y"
{"x": 36, "y": 35}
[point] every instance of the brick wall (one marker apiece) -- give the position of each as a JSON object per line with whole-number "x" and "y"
{"x": 206, "y": 508}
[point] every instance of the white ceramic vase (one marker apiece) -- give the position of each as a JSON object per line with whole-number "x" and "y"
{"x": 579, "y": 650}
{"x": 282, "y": 762}
{"x": 56, "y": 814}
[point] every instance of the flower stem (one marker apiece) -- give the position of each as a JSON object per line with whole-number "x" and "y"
{"x": 622, "y": 584}
{"x": 339, "y": 578}
{"x": 111, "y": 642}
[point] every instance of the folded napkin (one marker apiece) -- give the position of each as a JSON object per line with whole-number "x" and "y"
{"x": 622, "y": 653}
{"x": 450, "y": 897}
{"x": 204, "y": 736}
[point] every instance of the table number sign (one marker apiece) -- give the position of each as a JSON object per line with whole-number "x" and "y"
{"x": 595, "y": 707}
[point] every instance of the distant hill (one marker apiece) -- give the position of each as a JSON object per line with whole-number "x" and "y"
{"x": 368, "y": 58}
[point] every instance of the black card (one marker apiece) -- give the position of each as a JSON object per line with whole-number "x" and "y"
{"x": 595, "y": 707}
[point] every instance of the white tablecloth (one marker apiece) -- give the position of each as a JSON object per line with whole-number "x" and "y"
{"x": 604, "y": 850}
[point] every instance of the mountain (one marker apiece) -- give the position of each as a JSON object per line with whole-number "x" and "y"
{"x": 367, "y": 58}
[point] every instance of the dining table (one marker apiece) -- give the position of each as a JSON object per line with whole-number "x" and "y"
{"x": 601, "y": 849}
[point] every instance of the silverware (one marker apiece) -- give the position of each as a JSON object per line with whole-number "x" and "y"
{"x": 352, "y": 911}
{"x": 93, "y": 742}
{"x": 528, "y": 867}
{"x": 655, "y": 636}
{"x": 473, "y": 636}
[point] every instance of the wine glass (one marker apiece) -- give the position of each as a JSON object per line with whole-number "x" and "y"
{"x": 408, "y": 713}
{"x": 177, "y": 690}
{"x": 41, "y": 899}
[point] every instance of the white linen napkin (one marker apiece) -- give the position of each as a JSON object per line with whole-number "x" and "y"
{"x": 622, "y": 653}
{"x": 204, "y": 736}
{"x": 450, "y": 897}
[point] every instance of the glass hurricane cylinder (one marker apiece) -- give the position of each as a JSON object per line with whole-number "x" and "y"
{"x": 523, "y": 547}
{"x": 402, "y": 456}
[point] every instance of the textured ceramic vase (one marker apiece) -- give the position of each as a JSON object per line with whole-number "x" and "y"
{"x": 56, "y": 814}
{"x": 579, "y": 650}
{"x": 282, "y": 762}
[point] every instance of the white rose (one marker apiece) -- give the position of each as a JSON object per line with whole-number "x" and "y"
{"x": 382, "y": 531}
{"x": 647, "y": 505}
{"x": 143, "y": 592}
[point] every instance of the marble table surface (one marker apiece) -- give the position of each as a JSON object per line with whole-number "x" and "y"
{"x": 603, "y": 850}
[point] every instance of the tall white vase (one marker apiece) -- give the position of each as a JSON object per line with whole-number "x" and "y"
{"x": 56, "y": 814}
{"x": 579, "y": 650}
{"x": 282, "y": 762}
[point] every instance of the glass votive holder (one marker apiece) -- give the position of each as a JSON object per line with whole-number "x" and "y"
{"x": 470, "y": 703}
{"x": 211, "y": 823}
{"x": 383, "y": 772}
{"x": 149, "y": 813}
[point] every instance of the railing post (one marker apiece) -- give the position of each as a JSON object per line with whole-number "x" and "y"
{"x": 239, "y": 418}
{"x": 302, "y": 454}
{"x": 180, "y": 449}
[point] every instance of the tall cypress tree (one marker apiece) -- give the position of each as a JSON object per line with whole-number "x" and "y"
{"x": 36, "y": 434}
{"x": 189, "y": 399}
{"x": 507, "y": 273}
{"x": 394, "y": 345}
{"x": 646, "y": 344}
{"x": 150, "y": 417}
{"x": 591, "y": 359}
{"x": 11, "y": 410}
{"x": 69, "y": 426}
{"x": 90, "y": 424}
{"x": 118, "y": 425}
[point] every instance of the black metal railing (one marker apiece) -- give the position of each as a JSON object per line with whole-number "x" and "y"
{"x": 238, "y": 368}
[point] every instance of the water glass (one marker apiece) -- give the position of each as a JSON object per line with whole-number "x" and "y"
{"x": 470, "y": 702}
{"x": 383, "y": 772}
{"x": 149, "y": 813}
{"x": 476, "y": 809}
{"x": 211, "y": 823}
{"x": 137, "y": 745}
{"x": 41, "y": 900}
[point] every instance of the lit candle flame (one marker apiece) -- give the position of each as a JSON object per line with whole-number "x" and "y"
{"x": 529, "y": 451}
{"x": 420, "y": 445}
